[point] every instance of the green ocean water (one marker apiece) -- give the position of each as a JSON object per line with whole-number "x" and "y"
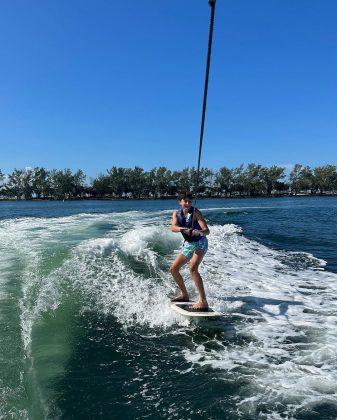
{"x": 86, "y": 329}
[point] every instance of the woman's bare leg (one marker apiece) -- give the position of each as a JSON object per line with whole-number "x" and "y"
{"x": 179, "y": 261}
{"x": 194, "y": 265}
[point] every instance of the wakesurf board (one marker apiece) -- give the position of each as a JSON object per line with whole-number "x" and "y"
{"x": 184, "y": 308}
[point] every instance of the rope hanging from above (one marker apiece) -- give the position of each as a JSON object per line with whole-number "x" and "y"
{"x": 210, "y": 38}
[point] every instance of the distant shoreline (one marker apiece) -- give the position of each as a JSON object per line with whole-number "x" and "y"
{"x": 170, "y": 197}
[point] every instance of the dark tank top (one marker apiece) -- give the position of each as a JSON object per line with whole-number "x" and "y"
{"x": 186, "y": 221}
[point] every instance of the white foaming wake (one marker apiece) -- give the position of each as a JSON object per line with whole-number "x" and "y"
{"x": 97, "y": 266}
{"x": 27, "y": 245}
{"x": 129, "y": 279}
{"x": 283, "y": 355}
{"x": 288, "y": 324}
{"x": 284, "y": 318}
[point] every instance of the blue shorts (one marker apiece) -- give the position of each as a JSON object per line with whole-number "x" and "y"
{"x": 189, "y": 248}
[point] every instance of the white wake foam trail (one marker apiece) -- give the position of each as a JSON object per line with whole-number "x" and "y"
{"x": 278, "y": 336}
{"x": 276, "y": 301}
{"x": 288, "y": 323}
{"x": 31, "y": 248}
{"x": 97, "y": 267}
{"x": 127, "y": 276}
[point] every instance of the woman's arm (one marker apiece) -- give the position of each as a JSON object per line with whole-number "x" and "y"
{"x": 202, "y": 222}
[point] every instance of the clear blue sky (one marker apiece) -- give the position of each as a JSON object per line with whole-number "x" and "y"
{"x": 92, "y": 84}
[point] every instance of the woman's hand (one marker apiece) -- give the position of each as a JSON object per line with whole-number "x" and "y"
{"x": 186, "y": 231}
{"x": 191, "y": 232}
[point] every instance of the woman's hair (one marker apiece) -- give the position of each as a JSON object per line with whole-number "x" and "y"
{"x": 183, "y": 195}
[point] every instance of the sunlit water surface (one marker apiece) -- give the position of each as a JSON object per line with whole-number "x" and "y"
{"x": 86, "y": 329}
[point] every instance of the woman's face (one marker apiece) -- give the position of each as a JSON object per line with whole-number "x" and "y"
{"x": 186, "y": 203}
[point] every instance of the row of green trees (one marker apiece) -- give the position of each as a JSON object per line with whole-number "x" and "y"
{"x": 252, "y": 180}
{"x": 39, "y": 183}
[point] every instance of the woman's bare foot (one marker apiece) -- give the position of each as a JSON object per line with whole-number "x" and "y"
{"x": 201, "y": 304}
{"x": 181, "y": 298}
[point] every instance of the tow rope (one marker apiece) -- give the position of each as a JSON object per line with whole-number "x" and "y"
{"x": 208, "y": 63}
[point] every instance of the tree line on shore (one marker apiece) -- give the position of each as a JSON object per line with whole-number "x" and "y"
{"x": 161, "y": 182}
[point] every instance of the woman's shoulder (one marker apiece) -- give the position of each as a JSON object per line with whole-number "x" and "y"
{"x": 198, "y": 213}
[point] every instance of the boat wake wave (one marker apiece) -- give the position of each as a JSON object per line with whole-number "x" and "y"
{"x": 271, "y": 342}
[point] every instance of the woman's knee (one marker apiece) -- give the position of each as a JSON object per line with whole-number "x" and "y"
{"x": 194, "y": 268}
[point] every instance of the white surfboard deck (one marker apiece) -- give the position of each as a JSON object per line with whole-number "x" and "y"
{"x": 183, "y": 309}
